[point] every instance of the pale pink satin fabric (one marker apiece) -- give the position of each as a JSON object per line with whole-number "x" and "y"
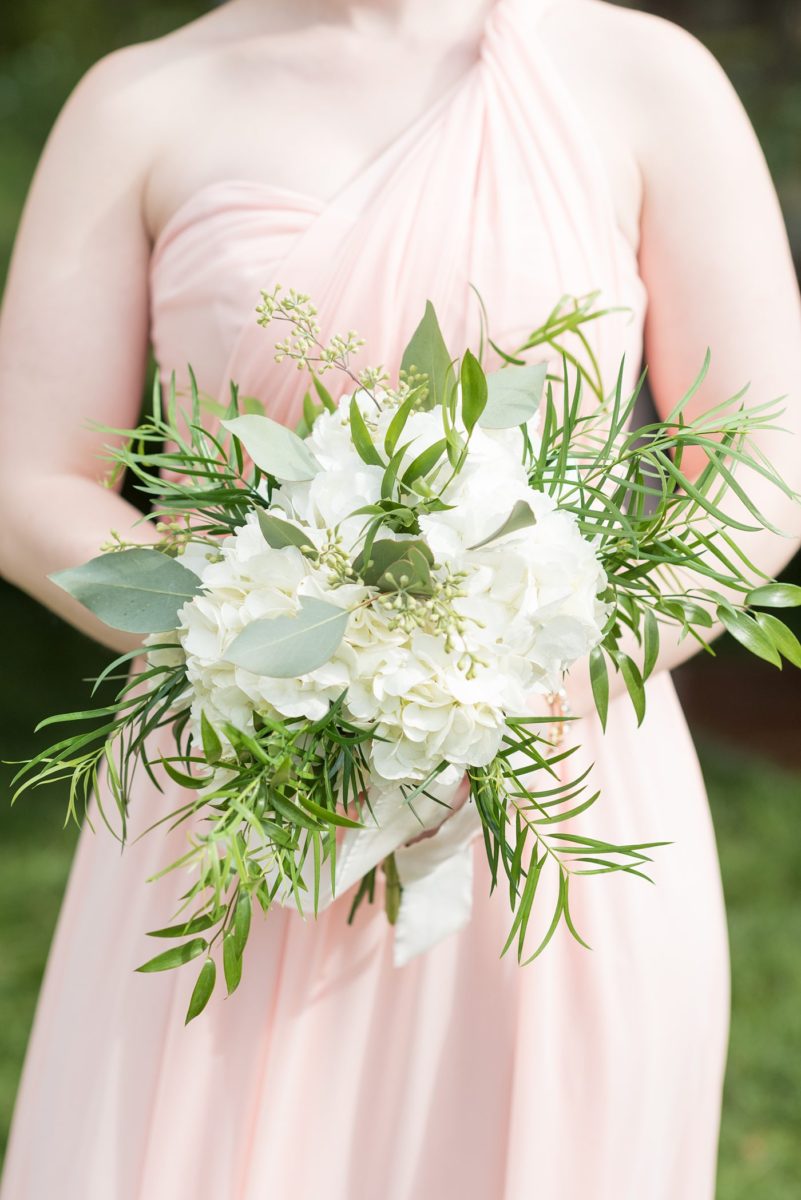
{"x": 587, "y": 1076}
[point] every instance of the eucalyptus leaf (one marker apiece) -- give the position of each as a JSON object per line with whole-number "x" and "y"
{"x": 513, "y": 395}
{"x": 274, "y": 448}
{"x": 288, "y": 646}
{"x": 427, "y": 352}
{"x": 138, "y": 591}
{"x": 521, "y": 517}
{"x": 279, "y": 533}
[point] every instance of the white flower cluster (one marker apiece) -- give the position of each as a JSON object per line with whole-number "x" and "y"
{"x": 524, "y": 607}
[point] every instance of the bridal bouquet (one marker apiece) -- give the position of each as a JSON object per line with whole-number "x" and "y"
{"x": 359, "y": 629}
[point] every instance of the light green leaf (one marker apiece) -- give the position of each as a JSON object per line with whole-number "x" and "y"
{"x": 775, "y": 595}
{"x": 749, "y": 634}
{"x": 175, "y": 957}
{"x": 274, "y": 448}
{"x": 520, "y": 517}
{"x": 599, "y": 679}
{"x": 360, "y": 435}
{"x": 427, "y": 352}
{"x": 279, "y": 533}
{"x": 202, "y": 991}
{"x": 138, "y": 591}
{"x": 513, "y": 395}
{"x": 782, "y": 638}
{"x": 474, "y": 391}
{"x": 288, "y": 646}
{"x": 385, "y": 553}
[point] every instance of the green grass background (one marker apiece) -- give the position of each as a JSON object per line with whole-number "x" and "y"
{"x": 44, "y": 46}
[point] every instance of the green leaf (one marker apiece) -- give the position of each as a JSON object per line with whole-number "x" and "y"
{"x": 775, "y": 595}
{"x": 242, "y": 917}
{"x": 520, "y": 517}
{"x": 175, "y": 957}
{"x": 650, "y": 643}
{"x": 138, "y": 591}
{"x": 385, "y": 554}
{"x": 329, "y": 815}
{"x": 634, "y": 685}
{"x": 782, "y": 638}
{"x": 688, "y": 613}
{"x": 749, "y": 634}
{"x": 279, "y": 533}
{"x": 474, "y": 391}
{"x": 195, "y": 925}
{"x": 274, "y": 448}
{"x": 288, "y": 646}
{"x": 232, "y": 963}
{"x": 398, "y": 423}
{"x": 425, "y": 462}
{"x": 202, "y": 991}
{"x": 324, "y": 395}
{"x": 514, "y": 395}
{"x": 599, "y": 679}
{"x": 427, "y": 352}
{"x": 360, "y": 435}
{"x": 212, "y": 746}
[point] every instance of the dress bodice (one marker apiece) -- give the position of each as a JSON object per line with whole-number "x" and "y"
{"x": 499, "y": 185}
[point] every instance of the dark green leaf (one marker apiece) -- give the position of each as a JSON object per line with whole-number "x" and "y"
{"x": 474, "y": 391}
{"x": 425, "y": 462}
{"x": 212, "y": 746}
{"x": 279, "y": 533}
{"x": 175, "y": 957}
{"x": 749, "y": 634}
{"x": 202, "y": 991}
{"x": 427, "y": 352}
{"x": 599, "y": 678}
{"x": 242, "y": 917}
{"x": 232, "y": 963}
{"x": 650, "y": 643}
{"x": 634, "y": 685}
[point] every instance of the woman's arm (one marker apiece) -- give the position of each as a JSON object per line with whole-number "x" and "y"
{"x": 714, "y": 256}
{"x": 73, "y": 338}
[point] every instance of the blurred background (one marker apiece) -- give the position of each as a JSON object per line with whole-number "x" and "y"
{"x": 746, "y": 717}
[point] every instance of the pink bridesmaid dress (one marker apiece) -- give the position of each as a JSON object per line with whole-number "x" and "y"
{"x": 332, "y": 1073}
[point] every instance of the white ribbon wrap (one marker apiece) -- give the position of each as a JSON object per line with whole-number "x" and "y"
{"x": 436, "y": 873}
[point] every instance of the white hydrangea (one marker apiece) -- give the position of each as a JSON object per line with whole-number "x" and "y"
{"x": 528, "y": 604}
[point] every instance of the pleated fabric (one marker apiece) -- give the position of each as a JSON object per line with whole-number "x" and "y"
{"x": 589, "y": 1075}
